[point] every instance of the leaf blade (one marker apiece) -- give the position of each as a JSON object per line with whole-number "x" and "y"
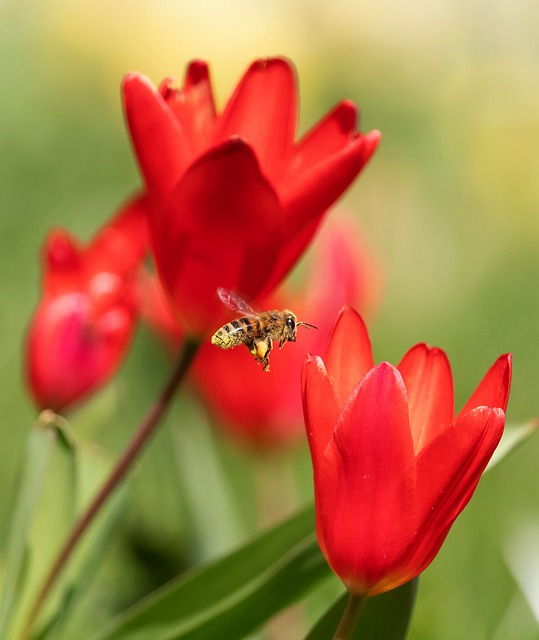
{"x": 229, "y": 597}
{"x": 38, "y": 453}
{"x": 514, "y": 436}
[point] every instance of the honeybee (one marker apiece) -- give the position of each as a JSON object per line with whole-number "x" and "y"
{"x": 257, "y": 330}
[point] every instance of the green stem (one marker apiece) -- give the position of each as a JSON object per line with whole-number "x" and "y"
{"x": 350, "y": 617}
{"x": 142, "y": 435}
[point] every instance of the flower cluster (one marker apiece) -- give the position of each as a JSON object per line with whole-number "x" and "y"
{"x": 232, "y": 200}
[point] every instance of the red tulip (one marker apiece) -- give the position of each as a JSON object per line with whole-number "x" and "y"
{"x": 235, "y": 199}
{"x": 393, "y": 467}
{"x": 84, "y": 323}
{"x": 264, "y": 410}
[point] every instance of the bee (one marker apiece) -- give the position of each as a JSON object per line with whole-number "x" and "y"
{"x": 257, "y": 330}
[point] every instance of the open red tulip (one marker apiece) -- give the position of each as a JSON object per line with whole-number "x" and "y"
{"x": 83, "y": 324}
{"x": 393, "y": 466}
{"x": 235, "y": 199}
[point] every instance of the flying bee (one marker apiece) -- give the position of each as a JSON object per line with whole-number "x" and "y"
{"x": 257, "y": 330}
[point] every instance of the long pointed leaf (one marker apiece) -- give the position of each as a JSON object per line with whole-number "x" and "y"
{"x": 94, "y": 466}
{"x": 39, "y": 447}
{"x": 44, "y": 501}
{"x": 513, "y": 437}
{"x": 233, "y": 596}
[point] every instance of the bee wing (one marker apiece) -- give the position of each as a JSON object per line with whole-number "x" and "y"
{"x": 235, "y": 303}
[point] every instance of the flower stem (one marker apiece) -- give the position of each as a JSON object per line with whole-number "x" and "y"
{"x": 142, "y": 435}
{"x": 350, "y": 617}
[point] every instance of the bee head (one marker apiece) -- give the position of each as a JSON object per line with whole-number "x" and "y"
{"x": 291, "y": 325}
{"x": 290, "y": 328}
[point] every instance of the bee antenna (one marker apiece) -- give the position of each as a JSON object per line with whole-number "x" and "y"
{"x": 307, "y": 324}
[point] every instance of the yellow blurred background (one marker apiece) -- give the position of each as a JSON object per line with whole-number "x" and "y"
{"x": 450, "y": 204}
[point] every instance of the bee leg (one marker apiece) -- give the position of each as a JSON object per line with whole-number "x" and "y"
{"x": 251, "y": 345}
{"x": 262, "y": 350}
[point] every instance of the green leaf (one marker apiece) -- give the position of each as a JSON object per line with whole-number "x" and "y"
{"x": 39, "y": 448}
{"x": 234, "y": 595}
{"x": 198, "y": 466}
{"x": 42, "y": 511}
{"x": 94, "y": 467}
{"x": 386, "y": 616}
{"x": 513, "y": 437}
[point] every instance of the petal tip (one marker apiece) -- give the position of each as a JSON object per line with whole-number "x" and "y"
{"x": 134, "y": 77}
{"x": 134, "y": 83}
{"x": 347, "y": 114}
{"x": 197, "y": 72}
{"x": 273, "y": 62}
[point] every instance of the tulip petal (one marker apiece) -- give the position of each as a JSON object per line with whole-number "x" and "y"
{"x": 263, "y": 111}
{"x": 493, "y": 390}
{"x": 193, "y": 105}
{"x": 306, "y": 195}
{"x": 448, "y": 470}
{"x": 316, "y": 187}
{"x": 220, "y": 229}
{"x": 320, "y": 406}
{"x": 427, "y": 375}
{"x": 366, "y": 496}
{"x": 349, "y": 353}
{"x": 329, "y": 135}
{"x": 70, "y": 356}
{"x": 162, "y": 148}
{"x": 63, "y": 261}
{"x": 121, "y": 244}
{"x": 321, "y": 411}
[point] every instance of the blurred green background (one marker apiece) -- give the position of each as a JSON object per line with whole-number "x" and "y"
{"x": 450, "y": 204}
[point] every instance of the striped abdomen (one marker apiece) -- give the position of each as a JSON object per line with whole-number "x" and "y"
{"x": 236, "y": 332}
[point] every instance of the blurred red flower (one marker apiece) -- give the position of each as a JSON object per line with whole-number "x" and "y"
{"x": 393, "y": 467}
{"x": 235, "y": 200}
{"x": 265, "y": 411}
{"x": 84, "y": 322}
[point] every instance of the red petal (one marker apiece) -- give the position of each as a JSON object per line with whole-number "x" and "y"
{"x": 306, "y": 195}
{"x": 61, "y": 251}
{"x": 122, "y": 243}
{"x": 263, "y": 111}
{"x": 448, "y": 470}
{"x": 63, "y": 259}
{"x": 330, "y": 134}
{"x": 493, "y": 390}
{"x": 315, "y": 187}
{"x": 193, "y": 105}
{"x": 349, "y": 353}
{"x": 320, "y": 406}
{"x": 163, "y": 150}
{"x": 157, "y": 310}
{"x": 427, "y": 375}
{"x": 367, "y": 499}
{"x": 221, "y": 228}
{"x": 69, "y": 356}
